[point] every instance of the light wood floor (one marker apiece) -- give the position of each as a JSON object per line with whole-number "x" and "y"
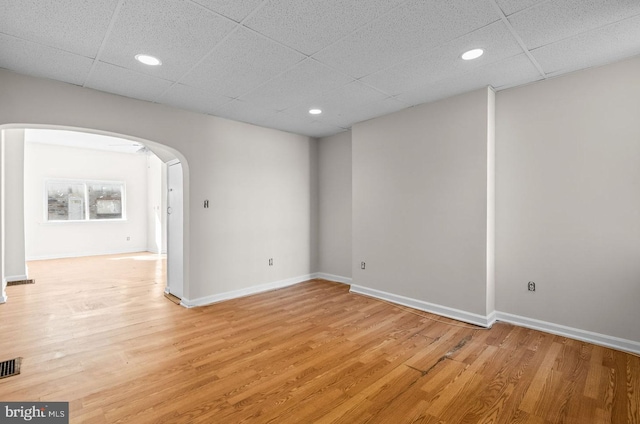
{"x": 97, "y": 332}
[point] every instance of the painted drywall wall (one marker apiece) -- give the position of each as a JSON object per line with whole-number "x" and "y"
{"x": 568, "y": 200}
{"x": 15, "y": 268}
{"x": 420, "y": 203}
{"x": 334, "y": 240}
{"x": 255, "y": 178}
{"x": 156, "y": 204}
{"x": 46, "y": 239}
{"x": 259, "y": 186}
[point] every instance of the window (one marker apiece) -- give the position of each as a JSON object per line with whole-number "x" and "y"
{"x": 76, "y": 200}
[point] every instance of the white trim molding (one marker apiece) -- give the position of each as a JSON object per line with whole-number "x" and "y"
{"x": 332, "y": 277}
{"x": 234, "y": 294}
{"x": 142, "y": 249}
{"x": 12, "y": 278}
{"x": 570, "y": 332}
{"x": 3, "y": 294}
{"x": 468, "y": 317}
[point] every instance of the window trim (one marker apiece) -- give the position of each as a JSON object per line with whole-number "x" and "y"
{"x": 85, "y": 183}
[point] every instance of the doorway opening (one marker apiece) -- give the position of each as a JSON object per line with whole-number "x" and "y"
{"x": 76, "y": 192}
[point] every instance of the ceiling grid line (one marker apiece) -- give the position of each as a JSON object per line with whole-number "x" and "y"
{"x": 112, "y": 22}
{"x": 518, "y": 39}
{"x": 268, "y": 62}
{"x": 202, "y": 59}
{"x": 213, "y": 49}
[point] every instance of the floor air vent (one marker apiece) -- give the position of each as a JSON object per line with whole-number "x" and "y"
{"x": 10, "y": 367}
{"x": 20, "y": 282}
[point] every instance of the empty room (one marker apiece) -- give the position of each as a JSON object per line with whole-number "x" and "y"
{"x": 302, "y": 211}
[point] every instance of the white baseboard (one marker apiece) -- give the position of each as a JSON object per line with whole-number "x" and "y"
{"x": 570, "y": 332}
{"x": 332, "y": 277}
{"x": 11, "y": 278}
{"x": 469, "y": 317}
{"x": 207, "y": 300}
{"x": 83, "y": 254}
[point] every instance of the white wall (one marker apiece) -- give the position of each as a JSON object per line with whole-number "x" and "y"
{"x": 420, "y": 203}
{"x": 568, "y": 200}
{"x": 15, "y": 268}
{"x": 156, "y": 204}
{"x": 259, "y": 186}
{"x": 334, "y": 240}
{"x": 259, "y": 181}
{"x": 63, "y": 239}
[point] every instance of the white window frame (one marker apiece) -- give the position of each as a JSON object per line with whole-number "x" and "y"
{"x": 86, "y": 183}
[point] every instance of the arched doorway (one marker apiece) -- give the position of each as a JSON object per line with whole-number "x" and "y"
{"x": 15, "y": 166}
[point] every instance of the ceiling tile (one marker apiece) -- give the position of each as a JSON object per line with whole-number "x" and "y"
{"x": 178, "y": 32}
{"x": 512, "y": 6}
{"x": 194, "y": 99}
{"x": 444, "y": 61}
{"x": 307, "y": 126}
{"x": 242, "y": 62}
{"x": 308, "y": 79}
{"x": 596, "y": 47}
{"x": 310, "y": 25}
{"x": 552, "y": 21}
{"x": 409, "y": 30}
{"x": 125, "y": 82}
{"x": 75, "y": 26}
{"x": 370, "y": 111}
{"x": 502, "y": 74}
{"x": 27, "y": 58}
{"x": 245, "y": 112}
{"x": 336, "y": 103}
{"x": 234, "y": 9}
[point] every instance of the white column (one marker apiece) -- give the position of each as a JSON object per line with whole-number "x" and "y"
{"x": 3, "y": 293}
{"x": 15, "y": 268}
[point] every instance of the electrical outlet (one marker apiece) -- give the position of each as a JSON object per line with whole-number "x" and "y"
{"x": 128, "y": 238}
{"x": 362, "y": 265}
{"x": 531, "y": 286}
{"x": 270, "y": 261}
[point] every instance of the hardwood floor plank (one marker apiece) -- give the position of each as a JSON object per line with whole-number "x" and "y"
{"x": 99, "y": 333}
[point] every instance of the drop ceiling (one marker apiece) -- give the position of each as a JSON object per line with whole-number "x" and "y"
{"x": 267, "y": 62}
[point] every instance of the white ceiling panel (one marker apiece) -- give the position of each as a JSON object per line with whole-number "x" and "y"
{"x": 177, "y": 32}
{"x": 444, "y": 61}
{"x": 26, "y": 58}
{"x": 592, "y": 48}
{"x": 512, "y": 6}
{"x": 305, "y": 126}
{"x": 409, "y": 30}
{"x": 310, "y": 25}
{"x": 306, "y": 80}
{"x": 242, "y": 62}
{"x": 502, "y": 74}
{"x": 248, "y": 60}
{"x": 336, "y": 102}
{"x": 245, "y": 112}
{"x": 81, "y": 140}
{"x": 552, "y": 21}
{"x": 125, "y": 82}
{"x": 72, "y": 25}
{"x": 368, "y": 111}
{"x": 194, "y": 99}
{"x": 234, "y": 9}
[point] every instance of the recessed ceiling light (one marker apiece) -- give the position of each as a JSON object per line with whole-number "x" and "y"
{"x": 315, "y": 111}
{"x": 472, "y": 54}
{"x": 148, "y": 60}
